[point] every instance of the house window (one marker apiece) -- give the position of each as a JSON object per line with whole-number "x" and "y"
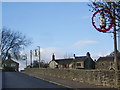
{"x": 102, "y": 64}
{"x": 111, "y": 64}
{"x": 5, "y": 65}
{"x": 56, "y": 66}
{"x": 78, "y": 64}
{"x": 65, "y": 66}
{"x": 13, "y": 65}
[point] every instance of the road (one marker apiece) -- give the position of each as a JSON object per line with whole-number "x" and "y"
{"x": 20, "y": 80}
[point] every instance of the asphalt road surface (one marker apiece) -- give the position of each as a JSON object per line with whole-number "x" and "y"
{"x": 20, "y": 80}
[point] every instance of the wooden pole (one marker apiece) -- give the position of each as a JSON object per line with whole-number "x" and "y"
{"x": 115, "y": 48}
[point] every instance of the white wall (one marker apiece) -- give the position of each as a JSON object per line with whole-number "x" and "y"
{"x": 52, "y": 64}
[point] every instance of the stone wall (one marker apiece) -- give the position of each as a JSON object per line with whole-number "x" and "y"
{"x": 119, "y": 78}
{"x": 97, "y": 77}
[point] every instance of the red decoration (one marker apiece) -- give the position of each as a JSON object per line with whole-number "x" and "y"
{"x": 111, "y": 24}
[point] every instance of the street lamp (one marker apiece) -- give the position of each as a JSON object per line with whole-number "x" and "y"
{"x": 31, "y": 58}
{"x": 39, "y": 54}
{"x": 24, "y": 57}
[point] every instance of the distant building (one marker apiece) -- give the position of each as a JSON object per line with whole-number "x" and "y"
{"x": 42, "y": 64}
{"x": 35, "y": 64}
{"x": 106, "y": 63}
{"x": 10, "y": 65}
{"x": 81, "y": 62}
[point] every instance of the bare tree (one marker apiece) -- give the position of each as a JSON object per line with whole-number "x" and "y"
{"x": 94, "y": 6}
{"x": 12, "y": 42}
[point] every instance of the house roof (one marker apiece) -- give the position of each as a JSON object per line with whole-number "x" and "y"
{"x": 9, "y": 61}
{"x": 82, "y": 58}
{"x": 108, "y": 58}
{"x": 70, "y": 60}
{"x": 64, "y": 61}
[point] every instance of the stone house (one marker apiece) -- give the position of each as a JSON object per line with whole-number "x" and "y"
{"x": 61, "y": 63}
{"x": 106, "y": 63}
{"x": 10, "y": 65}
{"x": 77, "y": 62}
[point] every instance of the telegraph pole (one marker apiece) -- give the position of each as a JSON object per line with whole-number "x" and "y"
{"x": 39, "y": 54}
{"x": 112, "y": 24}
{"x": 115, "y": 40}
{"x": 115, "y": 47}
{"x": 119, "y": 39}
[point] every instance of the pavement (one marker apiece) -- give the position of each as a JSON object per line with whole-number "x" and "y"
{"x": 70, "y": 83}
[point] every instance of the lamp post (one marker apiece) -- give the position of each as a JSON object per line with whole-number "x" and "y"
{"x": 26, "y": 60}
{"x": 31, "y": 57}
{"x": 24, "y": 57}
{"x": 39, "y": 54}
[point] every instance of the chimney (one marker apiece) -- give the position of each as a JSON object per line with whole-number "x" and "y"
{"x": 88, "y": 54}
{"x": 74, "y": 56}
{"x": 53, "y": 57}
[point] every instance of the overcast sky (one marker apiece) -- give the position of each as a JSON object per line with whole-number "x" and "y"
{"x": 63, "y": 28}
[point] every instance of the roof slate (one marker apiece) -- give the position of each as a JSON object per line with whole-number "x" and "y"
{"x": 9, "y": 61}
{"x": 70, "y": 60}
{"x": 64, "y": 61}
{"x": 108, "y": 58}
{"x": 82, "y": 58}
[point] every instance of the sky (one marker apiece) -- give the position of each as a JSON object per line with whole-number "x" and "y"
{"x": 63, "y": 28}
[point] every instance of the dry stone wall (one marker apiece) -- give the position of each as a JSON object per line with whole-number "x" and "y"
{"x": 97, "y": 77}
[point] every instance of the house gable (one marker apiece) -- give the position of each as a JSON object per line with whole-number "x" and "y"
{"x": 53, "y": 64}
{"x": 106, "y": 63}
{"x": 86, "y": 61}
{"x": 10, "y": 65}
